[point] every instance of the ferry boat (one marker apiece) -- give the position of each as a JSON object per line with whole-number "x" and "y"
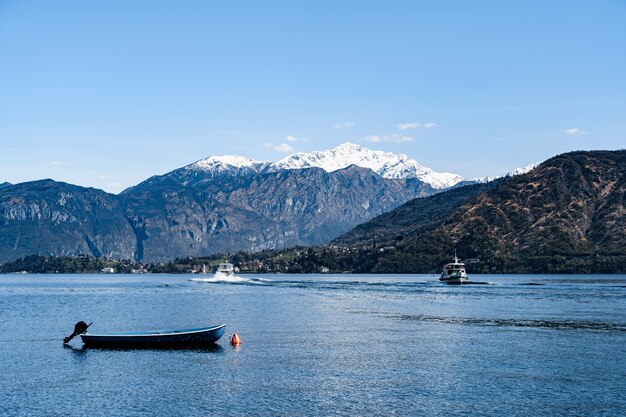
{"x": 454, "y": 272}
{"x": 225, "y": 268}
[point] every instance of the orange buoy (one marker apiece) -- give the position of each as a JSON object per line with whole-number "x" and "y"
{"x": 235, "y": 340}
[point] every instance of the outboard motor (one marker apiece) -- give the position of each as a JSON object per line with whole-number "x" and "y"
{"x": 80, "y": 327}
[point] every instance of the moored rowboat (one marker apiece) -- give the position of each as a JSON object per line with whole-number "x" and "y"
{"x": 157, "y": 338}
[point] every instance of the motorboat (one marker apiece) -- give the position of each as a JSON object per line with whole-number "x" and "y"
{"x": 225, "y": 268}
{"x": 454, "y": 272}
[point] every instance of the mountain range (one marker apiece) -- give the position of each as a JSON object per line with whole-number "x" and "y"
{"x": 217, "y": 204}
{"x": 386, "y": 164}
{"x": 566, "y": 215}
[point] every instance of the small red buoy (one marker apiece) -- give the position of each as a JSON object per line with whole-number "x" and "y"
{"x": 235, "y": 340}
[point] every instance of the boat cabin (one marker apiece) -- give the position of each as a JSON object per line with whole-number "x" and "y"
{"x": 226, "y": 268}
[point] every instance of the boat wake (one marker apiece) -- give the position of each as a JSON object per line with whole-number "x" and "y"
{"x": 361, "y": 286}
{"x": 220, "y": 278}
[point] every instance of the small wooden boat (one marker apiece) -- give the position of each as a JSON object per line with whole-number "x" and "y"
{"x": 158, "y": 338}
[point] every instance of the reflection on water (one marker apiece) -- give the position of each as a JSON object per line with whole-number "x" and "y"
{"x": 206, "y": 348}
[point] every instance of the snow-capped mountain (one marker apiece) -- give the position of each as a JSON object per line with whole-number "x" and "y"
{"x": 516, "y": 171}
{"x": 226, "y": 163}
{"x": 386, "y": 164}
{"x": 522, "y": 170}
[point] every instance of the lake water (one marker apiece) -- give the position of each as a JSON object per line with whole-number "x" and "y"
{"x": 319, "y": 345}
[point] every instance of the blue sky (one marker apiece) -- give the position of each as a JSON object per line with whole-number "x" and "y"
{"x": 106, "y": 94}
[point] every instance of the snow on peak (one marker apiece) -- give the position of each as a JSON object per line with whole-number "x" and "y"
{"x": 386, "y": 164}
{"x": 226, "y": 162}
{"x": 522, "y": 170}
{"x": 516, "y": 171}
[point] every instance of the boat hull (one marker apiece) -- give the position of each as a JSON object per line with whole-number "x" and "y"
{"x": 454, "y": 272}
{"x": 454, "y": 280}
{"x": 156, "y": 339}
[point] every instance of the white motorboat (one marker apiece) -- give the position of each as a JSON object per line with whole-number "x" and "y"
{"x": 454, "y": 272}
{"x": 225, "y": 269}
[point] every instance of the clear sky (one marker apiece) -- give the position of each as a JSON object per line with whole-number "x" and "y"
{"x": 108, "y": 93}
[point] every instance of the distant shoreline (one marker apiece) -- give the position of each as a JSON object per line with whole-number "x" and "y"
{"x": 306, "y": 261}
{"x": 309, "y": 273}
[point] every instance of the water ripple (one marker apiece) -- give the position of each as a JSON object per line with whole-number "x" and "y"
{"x": 546, "y": 324}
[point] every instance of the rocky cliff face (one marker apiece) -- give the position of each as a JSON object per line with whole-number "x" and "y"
{"x": 572, "y": 204}
{"x": 54, "y": 218}
{"x": 195, "y": 212}
{"x": 566, "y": 215}
{"x": 256, "y": 211}
{"x": 414, "y": 217}
{"x": 232, "y": 203}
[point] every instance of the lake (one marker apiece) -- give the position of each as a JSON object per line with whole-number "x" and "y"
{"x": 319, "y": 345}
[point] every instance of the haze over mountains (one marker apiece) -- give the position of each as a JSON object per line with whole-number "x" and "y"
{"x": 218, "y": 204}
